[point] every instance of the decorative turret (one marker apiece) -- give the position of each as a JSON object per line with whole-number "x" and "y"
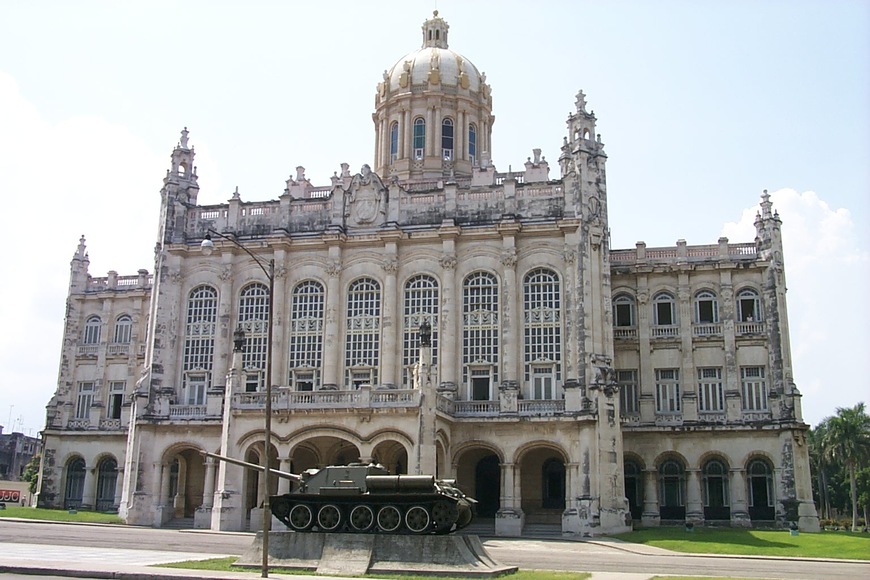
{"x": 179, "y": 191}
{"x": 78, "y": 277}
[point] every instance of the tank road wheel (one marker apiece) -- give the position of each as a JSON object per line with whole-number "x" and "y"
{"x": 300, "y": 517}
{"x": 328, "y": 517}
{"x": 389, "y": 518}
{"x": 417, "y": 519}
{"x": 444, "y": 515}
{"x": 362, "y": 517}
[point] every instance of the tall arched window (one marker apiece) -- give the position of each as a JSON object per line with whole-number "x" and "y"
{"x": 75, "y": 484}
{"x": 123, "y": 329}
{"x": 623, "y": 311}
{"x": 419, "y": 137}
{"x": 664, "y": 309}
{"x": 447, "y": 139}
{"x": 472, "y": 144}
{"x": 760, "y": 476}
{"x": 706, "y": 308}
{"x": 107, "y": 478}
{"x": 306, "y": 336}
{"x": 199, "y": 343}
{"x": 92, "y": 330}
{"x": 716, "y": 496}
{"x": 480, "y": 335}
{"x": 254, "y": 320}
{"x": 672, "y": 487}
{"x": 363, "y": 342}
{"x": 748, "y": 306}
{"x": 421, "y": 304}
{"x": 394, "y": 142}
{"x": 542, "y": 308}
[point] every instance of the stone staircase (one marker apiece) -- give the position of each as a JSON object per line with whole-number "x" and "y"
{"x": 179, "y": 524}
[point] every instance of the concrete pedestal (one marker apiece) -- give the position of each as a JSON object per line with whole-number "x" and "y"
{"x": 357, "y": 554}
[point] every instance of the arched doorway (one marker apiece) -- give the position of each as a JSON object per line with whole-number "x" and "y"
{"x": 672, "y": 482}
{"x": 760, "y": 491}
{"x": 75, "y": 484}
{"x": 107, "y": 479}
{"x": 634, "y": 488}
{"x": 553, "y": 484}
{"x": 716, "y": 493}
{"x": 487, "y": 486}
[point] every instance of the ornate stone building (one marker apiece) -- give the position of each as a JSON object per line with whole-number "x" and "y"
{"x": 565, "y": 384}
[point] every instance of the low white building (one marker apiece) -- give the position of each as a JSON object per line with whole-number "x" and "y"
{"x": 568, "y": 384}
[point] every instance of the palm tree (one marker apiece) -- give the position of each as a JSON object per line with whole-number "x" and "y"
{"x": 820, "y": 464}
{"x": 848, "y": 441}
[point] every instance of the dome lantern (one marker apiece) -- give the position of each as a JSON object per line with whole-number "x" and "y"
{"x": 435, "y": 32}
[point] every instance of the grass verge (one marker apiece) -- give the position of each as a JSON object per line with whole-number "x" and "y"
{"x": 226, "y": 565}
{"x": 836, "y": 545}
{"x": 30, "y": 513}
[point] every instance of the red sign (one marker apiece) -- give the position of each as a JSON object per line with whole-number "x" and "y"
{"x": 12, "y": 495}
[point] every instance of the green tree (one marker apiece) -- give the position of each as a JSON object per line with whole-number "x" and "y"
{"x": 31, "y": 473}
{"x": 821, "y": 466}
{"x": 847, "y": 440}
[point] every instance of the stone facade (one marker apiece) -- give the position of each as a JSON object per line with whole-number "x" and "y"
{"x": 563, "y": 383}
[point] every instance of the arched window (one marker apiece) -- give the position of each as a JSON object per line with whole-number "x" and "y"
{"x": 748, "y": 306}
{"x": 123, "y": 329}
{"x": 761, "y": 498}
{"x": 634, "y": 488}
{"x": 421, "y": 304}
{"x": 672, "y": 485}
{"x": 199, "y": 343}
{"x": 394, "y": 142}
{"x": 363, "y": 339}
{"x": 542, "y": 308}
{"x": 447, "y": 139}
{"x": 716, "y": 491}
{"x": 480, "y": 334}
{"x": 472, "y": 144}
{"x": 254, "y": 320}
{"x": 623, "y": 311}
{"x": 75, "y": 484}
{"x": 664, "y": 309}
{"x": 306, "y": 335}
{"x": 107, "y": 478}
{"x": 92, "y": 330}
{"x": 706, "y": 308}
{"x": 419, "y": 137}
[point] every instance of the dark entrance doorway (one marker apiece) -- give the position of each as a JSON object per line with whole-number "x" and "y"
{"x": 487, "y": 486}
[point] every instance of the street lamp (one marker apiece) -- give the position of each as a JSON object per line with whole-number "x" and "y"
{"x": 268, "y": 268}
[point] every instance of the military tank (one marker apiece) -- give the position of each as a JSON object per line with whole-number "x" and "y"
{"x": 364, "y": 498}
{"x": 361, "y": 498}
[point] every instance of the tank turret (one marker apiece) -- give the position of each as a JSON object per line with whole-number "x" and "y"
{"x": 360, "y": 498}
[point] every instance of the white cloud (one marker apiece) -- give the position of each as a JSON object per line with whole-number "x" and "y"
{"x": 827, "y": 271}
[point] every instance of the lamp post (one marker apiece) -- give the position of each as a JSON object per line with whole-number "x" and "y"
{"x": 268, "y": 268}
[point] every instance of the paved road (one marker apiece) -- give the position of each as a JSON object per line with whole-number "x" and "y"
{"x": 47, "y": 542}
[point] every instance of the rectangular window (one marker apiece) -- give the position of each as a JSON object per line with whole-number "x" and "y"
{"x": 754, "y": 388}
{"x": 253, "y": 382}
{"x": 629, "y": 392}
{"x": 303, "y": 381}
{"x": 116, "y": 399}
{"x": 667, "y": 391}
{"x": 360, "y": 378}
{"x": 196, "y": 389}
{"x": 543, "y": 379}
{"x": 85, "y": 400}
{"x": 480, "y": 381}
{"x": 664, "y": 313}
{"x": 624, "y": 314}
{"x": 711, "y": 396}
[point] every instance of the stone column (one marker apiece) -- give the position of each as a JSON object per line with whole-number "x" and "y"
{"x": 739, "y": 507}
{"x": 208, "y": 483}
{"x": 331, "y": 348}
{"x": 391, "y": 322}
{"x": 694, "y": 505}
{"x": 283, "y": 482}
{"x": 650, "y": 515}
{"x": 279, "y": 319}
{"x": 89, "y": 496}
{"x": 407, "y": 138}
{"x": 119, "y": 488}
{"x": 510, "y": 314}
{"x": 448, "y": 340}
{"x": 509, "y": 519}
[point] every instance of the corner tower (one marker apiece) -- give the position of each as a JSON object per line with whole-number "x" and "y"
{"x": 433, "y": 112}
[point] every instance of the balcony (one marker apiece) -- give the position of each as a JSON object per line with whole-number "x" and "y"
{"x": 284, "y": 399}
{"x": 625, "y": 332}
{"x": 707, "y": 329}
{"x": 670, "y": 331}
{"x": 750, "y": 328}
{"x": 755, "y": 416}
{"x": 188, "y": 411}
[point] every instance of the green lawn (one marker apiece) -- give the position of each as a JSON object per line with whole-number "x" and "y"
{"x": 846, "y": 545}
{"x": 30, "y": 513}
{"x": 226, "y": 565}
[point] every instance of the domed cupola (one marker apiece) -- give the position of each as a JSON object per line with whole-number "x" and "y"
{"x": 433, "y": 112}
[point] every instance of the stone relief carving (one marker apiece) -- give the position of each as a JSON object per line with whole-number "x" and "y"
{"x": 390, "y": 266}
{"x": 509, "y": 258}
{"x": 364, "y": 199}
{"x": 333, "y": 269}
{"x": 448, "y": 261}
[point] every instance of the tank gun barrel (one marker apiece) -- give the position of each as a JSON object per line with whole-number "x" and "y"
{"x": 284, "y": 474}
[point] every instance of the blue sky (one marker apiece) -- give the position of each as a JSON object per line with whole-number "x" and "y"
{"x": 701, "y": 105}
